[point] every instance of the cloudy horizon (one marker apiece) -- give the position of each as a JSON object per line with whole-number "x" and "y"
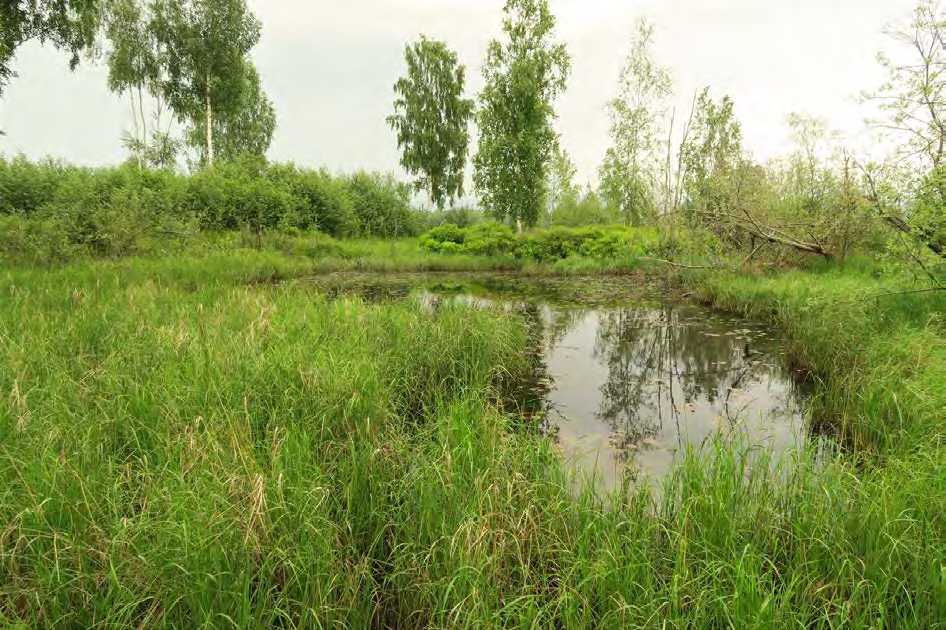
{"x": 330, "y": 71}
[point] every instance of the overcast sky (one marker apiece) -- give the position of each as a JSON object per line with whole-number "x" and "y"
{"x": 329, "y": 67}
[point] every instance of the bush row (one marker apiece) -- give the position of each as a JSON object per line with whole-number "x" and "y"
{"x": 492, "y": 239}
{"x": 54, "y": 209}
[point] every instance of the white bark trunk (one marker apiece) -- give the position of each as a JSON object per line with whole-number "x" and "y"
{"x": 210, "y": 127}
{"x": 134, "y": 122}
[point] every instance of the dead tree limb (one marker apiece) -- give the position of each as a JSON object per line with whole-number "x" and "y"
{"x": 911, "y": 292}
{"x": 771, "y": 234}
{"x": 895, "y": 221}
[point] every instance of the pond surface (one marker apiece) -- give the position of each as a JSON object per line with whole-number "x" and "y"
{"x": 627, "y": 384}
{"x": 632, "y": 387}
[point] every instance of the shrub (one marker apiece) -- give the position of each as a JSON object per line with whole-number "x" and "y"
{"x": 321, "y": 202}
{"x": 491, "y": 239}
{"x": 461, "y": 217}
{"x": 382, "y": 205}
{"x": 26, "y": 186}
{"x": 72, "y": 211}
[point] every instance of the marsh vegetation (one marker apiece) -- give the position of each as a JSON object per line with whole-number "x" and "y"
{"x": 702, "y": 392}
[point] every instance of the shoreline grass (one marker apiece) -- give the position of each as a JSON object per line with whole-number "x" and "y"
{"x": 198, "y": 447}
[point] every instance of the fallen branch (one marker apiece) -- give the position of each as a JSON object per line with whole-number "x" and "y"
{"x": 754, "y": 252}
{"x": 770, "y": 234}
{"x": 912, "y": 292}
{"x": 680, "y": 265}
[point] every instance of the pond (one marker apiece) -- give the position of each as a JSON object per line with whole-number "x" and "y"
{"x": 626, "y": 381}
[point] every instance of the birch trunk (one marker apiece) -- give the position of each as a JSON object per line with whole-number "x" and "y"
{"x": 210, "y": 126}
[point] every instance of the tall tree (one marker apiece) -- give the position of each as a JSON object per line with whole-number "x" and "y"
{"x": 630, "y": 173}
{"x": 523, "y": 77}
{"x": 432, "y": 120}
{"x": 246, "y": 130}
{"x": 712, "y": 156}
{"x": 560, "y": 188}
{"x": 70, "y": 25}
{"x": 137, "y": 66}
{"x": 914, "y": 100}
{"x": 207, "y": 43}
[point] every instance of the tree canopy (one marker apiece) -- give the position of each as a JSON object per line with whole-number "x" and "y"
{"x": 70, "y": 25}
{"x": 431, "y": 118}
{"x": 524, "y": 74}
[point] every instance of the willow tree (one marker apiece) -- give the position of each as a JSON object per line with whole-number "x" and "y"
{"x": 524, "y": 74}
{"x": 432, "y": 120}
{"x": 914, "y": 101}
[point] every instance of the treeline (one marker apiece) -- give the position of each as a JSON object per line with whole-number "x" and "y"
{"x": 183, "y": 65}
{"x": 493, "y": 239}
{"x": 52, "y": 211}
{"x": 189, "y": 61}
{"x": 680, "y": 169}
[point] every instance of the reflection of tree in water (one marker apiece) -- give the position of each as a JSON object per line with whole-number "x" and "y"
{"x": 659, "y": 362}
{"x": 528, "y": 398}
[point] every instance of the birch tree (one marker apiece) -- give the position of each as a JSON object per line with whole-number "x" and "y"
{"x": 432, "y": 119}
{"x": 136, "y": 67}
{"x": 70, "y": 25}
{"x": 631, "y": 171}
{"x": 524, "y": 74}
{"x": 246, "y": 129}
{"x": 207, "y": 44}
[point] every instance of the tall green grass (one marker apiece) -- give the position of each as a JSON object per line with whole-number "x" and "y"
{"x": 179, "y": 448}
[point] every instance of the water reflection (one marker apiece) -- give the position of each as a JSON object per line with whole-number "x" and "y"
{"x": 627, "y": 389}
{"x": 635, "y": 386}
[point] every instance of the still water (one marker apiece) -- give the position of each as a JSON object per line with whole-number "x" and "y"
{"x": 632, "y": 387}
{"x": 626, "y": 388}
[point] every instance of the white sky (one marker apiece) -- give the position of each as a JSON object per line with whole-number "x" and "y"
{"x": 329, "y": 67}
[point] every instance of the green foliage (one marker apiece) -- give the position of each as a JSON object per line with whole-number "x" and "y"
{"x": 928, "y": 215}
{"x": 432, "y": 119}
{"x": 227, "y": 197}
{"x": 560, "y": 188}
{"x": 908, "y": 191}
{"x": 711, "y": 159}
{"x": 247, "y": 130}
{"x": 381, "y": 204}
{"x": 80, "y": 212}
{"x": 461, "y": 216}
{"x": 516, "y": 139}
{"x": 589, "y": 209}
{"x": 85, "y": 211}
{"x": 137, "y": 66}
{"x": 631, "y": 171}
{"x": 589, "y": 242}
{"x": 70, "y": 25}
{"x": 491, "y": 239}
{"x": 322, "y": 202}
{"x": 209, "y": 78}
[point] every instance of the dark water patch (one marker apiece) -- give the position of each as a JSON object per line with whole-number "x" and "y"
{"x": 585, "y": 291}
{"x": 635, "y": 386}
{"x": 626, "y": 375}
